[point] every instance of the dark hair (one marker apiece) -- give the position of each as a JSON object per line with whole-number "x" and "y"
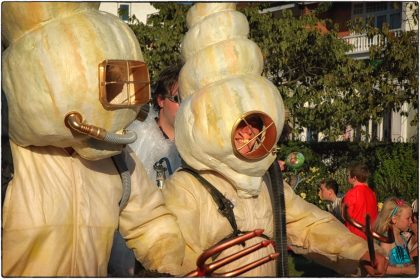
{"x": 285, "y": 133}
{"x": 166, "y": 80}
{"x": 330, "y": 184}
{"x": 360, "y": 171}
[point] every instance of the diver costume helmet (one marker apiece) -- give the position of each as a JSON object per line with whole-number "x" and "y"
{"x": 221, "y": 87}
{"x": 53, "y": 76}
{"x": 74, "y": 78}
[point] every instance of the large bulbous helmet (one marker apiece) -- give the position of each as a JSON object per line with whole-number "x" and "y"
{"x": 223, "y": 92}
{"x": 69, "y": 70}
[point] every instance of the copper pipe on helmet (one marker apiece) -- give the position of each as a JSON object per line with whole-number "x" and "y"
{"x": 74, "y": 121}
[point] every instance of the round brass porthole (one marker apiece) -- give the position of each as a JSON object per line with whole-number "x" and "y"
{"x": 253, "y": 135}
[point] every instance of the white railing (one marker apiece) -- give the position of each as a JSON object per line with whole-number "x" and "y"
{"x": 362, "y": 43}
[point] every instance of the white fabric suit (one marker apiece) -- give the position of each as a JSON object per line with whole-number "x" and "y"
{"x": 310, "y": 230}
{"x": 61, "y": 212}
{"x": 222, "y": 88}
{"x": 61, "y": 207}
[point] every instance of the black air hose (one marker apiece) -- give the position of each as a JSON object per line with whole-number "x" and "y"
{"x": 279, "y": 213}
{"x": 121, "y": 166}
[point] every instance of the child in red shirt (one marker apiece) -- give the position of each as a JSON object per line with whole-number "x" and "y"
{"x": 360, "y": 199}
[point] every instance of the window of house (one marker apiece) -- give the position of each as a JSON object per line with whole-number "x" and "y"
{"x": 380, "y": 12}
{"x": 358, "y": 8}
{"x": 376, "y": 7}
{"x": 311, "y": 135}
{"x": 380, "y": 20}
{"x": 387, "y": 120}
{"x": 124, "y": 11}
{"x": 395, "y": 21}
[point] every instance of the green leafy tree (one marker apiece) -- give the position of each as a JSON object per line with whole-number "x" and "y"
{"x": 160, "y": 38}
{"x": 397, "y": 172}
{"x": 320, "y": 84}
{"x": 393, "y": 65}
{"x": 324, "y": 89}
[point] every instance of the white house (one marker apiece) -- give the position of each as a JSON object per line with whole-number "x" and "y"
{"x": 127, "y": 9}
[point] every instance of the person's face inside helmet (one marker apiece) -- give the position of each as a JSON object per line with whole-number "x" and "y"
{"x": 246, "y": 135}
{"x": 170, "y": 105}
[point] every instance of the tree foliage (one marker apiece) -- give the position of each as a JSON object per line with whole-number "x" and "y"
{"x": 394, "y": 65}
{"x": 397, "y": 172}
{"x": 323, "y": 88}
{"x": 160, "y": 38}
{"x": 309, "y": 66}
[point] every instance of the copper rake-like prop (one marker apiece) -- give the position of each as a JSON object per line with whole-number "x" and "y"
{"x": 370, "y": 234}
{"x": 207, "y": 270}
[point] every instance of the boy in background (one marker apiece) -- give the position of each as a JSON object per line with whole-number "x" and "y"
{"x": 328, "y": 191}
{"x": 360, "y": 199}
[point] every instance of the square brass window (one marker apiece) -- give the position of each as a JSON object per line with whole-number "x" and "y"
{"x": 123, "y": 83}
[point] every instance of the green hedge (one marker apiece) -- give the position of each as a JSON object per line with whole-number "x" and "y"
{"x": 393, "y": 166}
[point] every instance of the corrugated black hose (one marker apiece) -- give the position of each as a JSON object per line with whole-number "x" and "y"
{"x": 122, "y": 168}
{"x": 275, "y": 186}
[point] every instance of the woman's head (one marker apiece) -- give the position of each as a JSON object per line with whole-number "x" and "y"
{"x": 247, "y": 134}
{"x": 395, "y": 212}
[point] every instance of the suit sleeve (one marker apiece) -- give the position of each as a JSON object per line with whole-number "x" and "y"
{"x": 321, "y": 237}
{"x": 182, "y": 200}
{"x": 149, "y": 228}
